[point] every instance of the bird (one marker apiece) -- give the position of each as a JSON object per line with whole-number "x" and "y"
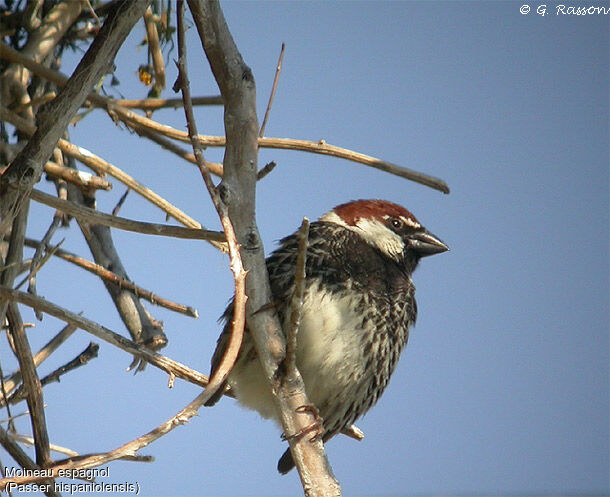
{"x": 358, "y": 306}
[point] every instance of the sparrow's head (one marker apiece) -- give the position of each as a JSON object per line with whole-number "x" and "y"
{"x": 390, "y": 228}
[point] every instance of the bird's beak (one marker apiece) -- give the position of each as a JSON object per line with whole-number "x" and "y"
{"x": 425, "y": 244}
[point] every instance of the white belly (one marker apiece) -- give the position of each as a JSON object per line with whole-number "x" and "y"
{"x": 328, "y": 347}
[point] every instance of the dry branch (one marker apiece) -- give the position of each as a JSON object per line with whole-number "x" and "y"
{"x": 101, "y": 166}
{"x": 11, "y": 381}
{"x": 83, "y": 358}
{"x": 169, "y": 145}
{"x": 173, "y": 368}
{"x": 93, "y": 216}
{"x": 296, "y": 304}
{"x": 53, "y": 119}
{"x": 125, "y": 451}
{"x": 220, "y": 374}
{"x": 81, "y": 179}
{"x": 317, "y": 147}
{"x": 105, "y": 274}
{"x": 141, "y": 326}
{"x": 20, "y": 457}
{"x": 237, "y": 87}
{"x": 162, "y": 103}
{"x": 40, "y": 43}
{"x": 276, "y": 78}
{"x": 155, "y": 51}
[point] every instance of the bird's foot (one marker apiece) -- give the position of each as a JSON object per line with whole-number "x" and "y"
{"x": 316, "y": 427}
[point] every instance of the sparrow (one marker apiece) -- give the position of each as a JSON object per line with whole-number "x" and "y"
{"x": 358, "y": 306}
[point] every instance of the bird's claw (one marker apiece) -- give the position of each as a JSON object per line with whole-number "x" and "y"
{"x": 316, "y": 427}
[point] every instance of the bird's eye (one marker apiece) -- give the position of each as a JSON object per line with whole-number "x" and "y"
{"x": 396, "y": 223}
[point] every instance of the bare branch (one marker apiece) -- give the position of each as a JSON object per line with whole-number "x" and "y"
{"x": 261, "y": 133}
{"x": 155, "y": 51}
{"x": 40, "y": 44}
{"x": 162, "y": 103}
{"x": 83, "y": 358}
{"x": 54, "y": 447}
{"x": 93, "y": 216}
{"x": 19, "y": 339}
{"x": 14, "y": 379}
{"x": 231, "y": 352}
{"x": 105, "y": 274}
{"x": 296, "y": 305}
{"x": 125, "y": 451}
{"x": 79, "y": 178}
{"x": 164, "y": 363}
{"x": 100, "y": 165}
{"x": 19, "y": 455}
{"x": 53, "y": 119}
{"x": 265, "y": 170}
{"x": 32, "y": 385}
{"x": 139, "y": 323}
{"x": 158, "y": 138}
{"x": 237, "y": 87}
{"x": 119, "y": 204}
{"x": 317, "y": 147}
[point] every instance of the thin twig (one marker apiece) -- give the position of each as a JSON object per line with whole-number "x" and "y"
{"x": 38, "y": 260}
{"x": 119, "y": 204}
{"x": 93, "y": 216}
{"x": 319, "y": 147}
{"x": 296, "y": 304}
{"x": 239, "y": 275}
{"x": 270, "y": 166}
{"x": 316, "y": 147}
{"x": 107, "y": 275}
{"x": 82, "y": 179}
{"x": 154, "y": 49}
{"x": 101, "y": 166}
{"x": 11, "y": 381}
{"x": 164, "y": 363}
{"x": 161, "y": 103}
{"x": 125, "y": 451}
{"x": 25, "y": 439}
{"x": 276, "y": 78}
{"x": 83, "y": 358}
{"x": 169, "y": 145}
{"x": 36, "y": 266}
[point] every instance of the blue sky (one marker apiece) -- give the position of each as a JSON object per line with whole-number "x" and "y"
{"x": 504, "y": 385}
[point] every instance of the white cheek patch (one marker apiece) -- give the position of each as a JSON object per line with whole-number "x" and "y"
{"x": 377, "y": 234}
{"x": 333, "y": 217}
